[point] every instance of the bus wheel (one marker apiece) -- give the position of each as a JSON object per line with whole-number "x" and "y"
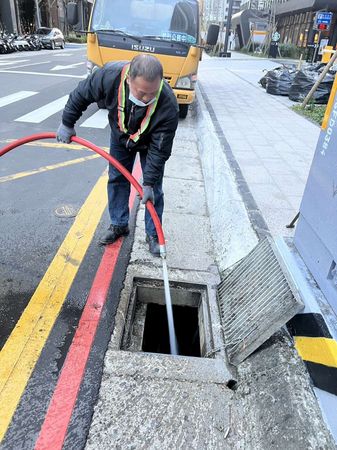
{"x": 183, "y": 110}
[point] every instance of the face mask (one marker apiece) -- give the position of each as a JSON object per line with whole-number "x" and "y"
{"x": 139, "y": 102}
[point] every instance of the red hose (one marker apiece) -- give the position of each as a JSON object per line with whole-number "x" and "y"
{"x": 113, "y": 161}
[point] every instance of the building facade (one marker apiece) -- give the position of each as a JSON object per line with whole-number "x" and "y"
{"x": 52, "y": 13}
{"x": 256, "y": 4}
{"x": 295, "y": 21}
{"x": 216, "y": 11}
{"x": 9, "y": 16}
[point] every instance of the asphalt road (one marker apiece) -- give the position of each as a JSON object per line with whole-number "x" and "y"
{"x": 31, "y": 231}
{"x": 37, "y": 183}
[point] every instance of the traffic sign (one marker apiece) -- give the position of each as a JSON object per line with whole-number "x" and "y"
{"x": 323, "y": 20}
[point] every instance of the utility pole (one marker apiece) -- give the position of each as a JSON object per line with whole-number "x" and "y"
{"x": 228, "y": 25}
{"x": 17, "y": 15}
{"x": 38, "y": 17}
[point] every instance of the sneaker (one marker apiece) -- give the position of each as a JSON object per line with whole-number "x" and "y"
{"x": 113, "y": 233}
{"x": 154, "y": 247}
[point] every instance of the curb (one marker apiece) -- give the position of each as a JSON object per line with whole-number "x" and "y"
{"x": 254, "y": 213}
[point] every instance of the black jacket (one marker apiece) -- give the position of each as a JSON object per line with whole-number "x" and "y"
{"x": 157, "y": 139}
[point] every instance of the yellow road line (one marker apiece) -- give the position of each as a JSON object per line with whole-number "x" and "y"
{"x": 317, "y": 350}
{"x": 23, "y": 347}
{"x": 52, "y": 145}
{"x": 27, "y": 173}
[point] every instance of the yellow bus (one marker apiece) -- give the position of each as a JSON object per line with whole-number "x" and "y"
{"x": 168, "y": 29}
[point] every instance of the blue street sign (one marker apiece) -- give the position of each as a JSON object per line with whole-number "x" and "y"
{"x": 323, "y": 18}
{"x": 323, "y": 21}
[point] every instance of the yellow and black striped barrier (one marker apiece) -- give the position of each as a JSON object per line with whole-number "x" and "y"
{"x": 317, "y": 348}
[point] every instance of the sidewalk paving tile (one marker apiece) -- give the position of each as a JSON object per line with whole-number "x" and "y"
{"x": 256, "y": 174}
{"x": 273, "y": 145}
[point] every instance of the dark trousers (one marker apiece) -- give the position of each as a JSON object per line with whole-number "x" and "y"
{"x": 119, "y": 189}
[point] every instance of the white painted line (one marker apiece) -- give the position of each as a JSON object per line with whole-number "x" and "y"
{"x": 71, "y": 66}
{"x": 41, "y": 114}
{"x": 12, "y": 98}
{"x": 43, "y": 74}
{"x": 14, "y": 56}
{"x": 97, "y": 120}
{"x": 63, "y": 54}
{"x": 8, "y": 63}
{"x": 31, "y": 64}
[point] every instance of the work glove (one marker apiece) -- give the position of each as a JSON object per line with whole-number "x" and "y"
{"x": 64, "y": 133}
{"x": 148, "y": 194}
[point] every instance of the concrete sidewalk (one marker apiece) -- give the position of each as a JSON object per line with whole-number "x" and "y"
{"x": 155, "y": 401}
{"x": 270, "y": 150}
{"x": 273, "y": 145}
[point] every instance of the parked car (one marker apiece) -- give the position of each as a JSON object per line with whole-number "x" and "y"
{"x": 51, "y": 37}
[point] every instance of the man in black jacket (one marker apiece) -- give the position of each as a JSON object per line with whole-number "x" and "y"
{"x": 143, "y": 116}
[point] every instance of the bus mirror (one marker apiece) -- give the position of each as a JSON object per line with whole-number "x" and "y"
{"x": 212, "y": 34}
{"x": 194, "y": 51}
{"x": 72, "y": 13}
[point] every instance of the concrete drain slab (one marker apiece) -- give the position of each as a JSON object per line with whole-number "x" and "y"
{"x": 256, "y": 298}
{"x": 152, "y": 366}
{"x": 160, "y": 415}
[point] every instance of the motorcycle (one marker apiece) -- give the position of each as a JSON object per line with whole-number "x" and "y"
{"x": 21, "y": 44}
{"x": 10, "y": 43}
{"x": 34, "y": 42}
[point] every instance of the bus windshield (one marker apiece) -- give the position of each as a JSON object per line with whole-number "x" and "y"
{"x": 166, "y": 19}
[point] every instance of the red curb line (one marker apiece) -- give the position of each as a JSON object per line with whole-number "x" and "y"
{"x": 57, "y": 419}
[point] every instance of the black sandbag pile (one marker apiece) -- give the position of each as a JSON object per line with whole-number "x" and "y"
{"x": 306, "y": 78}
{"x": 280, "y": 80}
{"x": 264, "y": 79}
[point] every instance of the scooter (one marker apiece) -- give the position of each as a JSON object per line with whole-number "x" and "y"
{"x": 8, "y": 39}
{"x": 20, "y": 43}
{"x": 3, "y": 48}
{"x": 33, "y": 42}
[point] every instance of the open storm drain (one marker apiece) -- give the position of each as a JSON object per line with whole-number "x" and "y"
{"x": 156, "y": 337}
{"x": 146, "y": 327}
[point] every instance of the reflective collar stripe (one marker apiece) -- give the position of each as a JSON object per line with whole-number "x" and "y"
{"x": 121, "y": 99}
{"x": 121, "y": 107}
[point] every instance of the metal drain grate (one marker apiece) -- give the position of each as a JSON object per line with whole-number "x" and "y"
{"x": 256, "y": 299}
{"x": 66, "y": 211}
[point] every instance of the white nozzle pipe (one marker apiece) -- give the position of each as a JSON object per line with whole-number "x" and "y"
{"x": 168, "y": 302}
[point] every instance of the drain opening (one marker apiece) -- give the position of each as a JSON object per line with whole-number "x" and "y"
{"x": 146, "y": 328}
{"x": 156, "y": 337}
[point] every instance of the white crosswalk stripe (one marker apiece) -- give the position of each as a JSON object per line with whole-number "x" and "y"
{"x": 41, "y": 114}
{"x": 97, "y": 120}
{"x": 12, "y": 98}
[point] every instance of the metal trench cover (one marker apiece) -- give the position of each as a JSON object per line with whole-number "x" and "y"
{"x": 256, "y": 298}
